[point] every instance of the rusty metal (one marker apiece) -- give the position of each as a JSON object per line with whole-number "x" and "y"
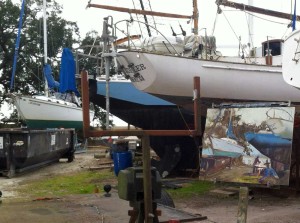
{"x": 254, "y": 9}
{"x": 147, "y": 179}
{"x": 85, "y": 104}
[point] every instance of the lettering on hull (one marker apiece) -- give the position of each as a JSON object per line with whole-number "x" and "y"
{"x": 132, "y": 71}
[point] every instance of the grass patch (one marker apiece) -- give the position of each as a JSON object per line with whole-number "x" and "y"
{"x": 194, "y": 188}
{"x": 77, "y": 183}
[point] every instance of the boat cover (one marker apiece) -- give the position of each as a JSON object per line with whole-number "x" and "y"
{"x": 48, "y": 74}
{"x": 67, "y": 73}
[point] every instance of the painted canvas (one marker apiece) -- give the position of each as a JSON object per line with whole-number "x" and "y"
{"x": 248, "y": 145}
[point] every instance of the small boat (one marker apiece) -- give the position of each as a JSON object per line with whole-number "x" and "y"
{"x": 276, "y": 148}
{"x": 61, "y": 110}
{"x": 267, "y": 140}
{"x": 53, "y": 109}
{"x": 228, "y": 145}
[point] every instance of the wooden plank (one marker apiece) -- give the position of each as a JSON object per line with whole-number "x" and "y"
{"x": 243, "y": 205}
{"x": 221, "y": 192}
{"x": 138, "y": 11}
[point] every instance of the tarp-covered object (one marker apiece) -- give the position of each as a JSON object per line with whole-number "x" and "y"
{"x": 67, "y": 72}
{"x": 48, "y": 74}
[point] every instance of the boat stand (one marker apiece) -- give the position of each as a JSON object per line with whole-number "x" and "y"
{"x": 144, "y": 134}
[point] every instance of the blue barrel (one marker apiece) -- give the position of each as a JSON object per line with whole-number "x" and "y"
{"x": 122, "y": 160}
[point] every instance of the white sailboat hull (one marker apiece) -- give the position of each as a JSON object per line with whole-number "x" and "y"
{"x": 226, "y": 145}
{"x": 171, "y": 78}
{"x": 290, "y": 59}
{"x": 45, "y": 112}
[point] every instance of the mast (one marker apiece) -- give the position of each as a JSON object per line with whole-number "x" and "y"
{"x": 17, "y": 46}
{"x": 256, "y": 9}
{"x": 45, "y": 42}
{"x": 137, "y": 11}
{"x": 195, "y": 16}
{"x": 251, "y": 37}
{"x": 145, "y": 18}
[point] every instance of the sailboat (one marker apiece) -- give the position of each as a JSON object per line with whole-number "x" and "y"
{"x": 58, "y": 110}
{"x": 169, "y": 75}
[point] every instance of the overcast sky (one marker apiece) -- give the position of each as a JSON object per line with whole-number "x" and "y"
{"x": 226, "y": 34}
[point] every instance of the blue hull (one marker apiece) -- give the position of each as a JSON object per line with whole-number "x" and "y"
{"x": 149, "y": 112}
{"x": 260, "y": 140}
{"x": 272, "y": 146}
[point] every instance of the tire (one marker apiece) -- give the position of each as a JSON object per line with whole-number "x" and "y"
{"x": 166, "y": 199}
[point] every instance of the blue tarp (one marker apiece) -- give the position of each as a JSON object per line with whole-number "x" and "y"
{"x": 48, "y": 74}
{"x": 67, "y": 73}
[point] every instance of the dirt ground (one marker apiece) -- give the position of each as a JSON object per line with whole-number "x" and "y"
{"x": 266, "y": 206}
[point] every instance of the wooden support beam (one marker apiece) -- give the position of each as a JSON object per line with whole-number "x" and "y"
{"x": 138, "y": 11}
{"x": 254, "y": 9}
{"x": 85, "y": 103}
{"x": 147, "y": 180}
{"x": 197, "y": 112}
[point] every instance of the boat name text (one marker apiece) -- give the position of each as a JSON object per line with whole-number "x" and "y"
{"x": 134, "y": 69}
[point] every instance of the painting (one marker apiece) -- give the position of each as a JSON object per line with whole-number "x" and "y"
{"x": 248, "y": 145}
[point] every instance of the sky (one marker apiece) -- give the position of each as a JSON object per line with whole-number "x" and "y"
{"x": 229, "y": 26}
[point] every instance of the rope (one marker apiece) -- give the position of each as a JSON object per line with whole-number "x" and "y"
{"x": 250, "y": 34}
{"x": 231, "y": 28}
{"x": 215, "y": 22}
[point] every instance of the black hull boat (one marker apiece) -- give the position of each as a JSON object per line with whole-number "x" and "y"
{"x": 147, "y": 112}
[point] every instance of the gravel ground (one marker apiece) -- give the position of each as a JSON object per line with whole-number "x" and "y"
{"x": 267, "y": 206}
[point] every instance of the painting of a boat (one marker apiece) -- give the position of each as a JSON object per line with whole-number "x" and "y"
{"x": 252, "y": 148}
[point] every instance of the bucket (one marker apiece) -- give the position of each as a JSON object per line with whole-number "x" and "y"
{"x": 122, "y": 160}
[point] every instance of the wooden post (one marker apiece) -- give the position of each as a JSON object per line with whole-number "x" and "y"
{"x": 243, "y": 205}
{"x": 147, "y": 179}
{"x": 297, "y": 165}
{"x": 85, "y": 103}
{"x": 195, "y": 16}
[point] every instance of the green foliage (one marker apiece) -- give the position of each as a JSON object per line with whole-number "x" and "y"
{"x": 100, "y": 114}
{"x": 77, "y": 183}
{"x": 194, "y": 188}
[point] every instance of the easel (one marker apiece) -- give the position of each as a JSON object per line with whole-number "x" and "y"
{"x": 244, "y": 191}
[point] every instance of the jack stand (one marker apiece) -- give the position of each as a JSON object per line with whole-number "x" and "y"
{"x": 137, "y": 215}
